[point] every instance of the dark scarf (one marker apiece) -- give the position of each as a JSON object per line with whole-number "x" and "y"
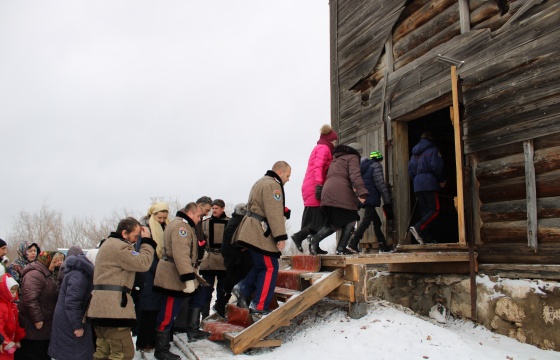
{"x": 326, "y": 142}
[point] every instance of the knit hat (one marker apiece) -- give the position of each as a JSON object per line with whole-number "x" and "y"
{"x": 327, "y": 133}
{"x": 75, "y": 250}
{"x": 2, "y": 243}
{"x": 11, "y": 282}
{"x": 356, "y": 146}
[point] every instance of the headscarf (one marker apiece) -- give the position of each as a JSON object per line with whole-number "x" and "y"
{"x": 75, "y": 250}
{"x": 45, "y": 258}
{"x": 155, "y": 227}
{"x": 91, "y": 254}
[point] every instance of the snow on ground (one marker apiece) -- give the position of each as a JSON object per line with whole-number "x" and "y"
{"x": 388, "y": 331}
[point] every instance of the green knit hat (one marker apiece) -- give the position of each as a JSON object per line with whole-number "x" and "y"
{"x": 376, "y": 155}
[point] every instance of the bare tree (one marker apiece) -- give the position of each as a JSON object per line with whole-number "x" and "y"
{"x": 44, "y": 228}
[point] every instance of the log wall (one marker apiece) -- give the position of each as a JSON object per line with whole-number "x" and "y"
{"x": 510, "y": 93}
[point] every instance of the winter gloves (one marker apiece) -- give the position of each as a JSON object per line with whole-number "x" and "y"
{"x": 318, "y": 190}
{"x": 189, "y": 287}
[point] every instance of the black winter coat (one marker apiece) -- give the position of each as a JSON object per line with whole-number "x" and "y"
{"x": 73, "y": 298}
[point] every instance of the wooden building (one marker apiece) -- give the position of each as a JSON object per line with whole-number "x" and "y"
{"x": 484, "y": 77}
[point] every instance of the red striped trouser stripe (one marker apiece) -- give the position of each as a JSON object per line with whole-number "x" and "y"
{"x": 434, "y": 215}
{"x": 267, "y": 282}
{"x": 168, "y": 313}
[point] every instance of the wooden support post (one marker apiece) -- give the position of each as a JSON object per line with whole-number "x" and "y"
{"x": 531, "y": 185}
{"x": 458, "y": 154}
{"x": 358, "y": 308}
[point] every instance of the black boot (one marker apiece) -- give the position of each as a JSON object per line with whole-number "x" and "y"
{"x": 298, "y": 238}
{"x": 193, "y": 326}
{"x": 317, "y": 238}
{"x": 353, "y": 246}
{"x": 162, "y": 346}
{"x": 220, "y": 305}
{"x": 343, "y": 241}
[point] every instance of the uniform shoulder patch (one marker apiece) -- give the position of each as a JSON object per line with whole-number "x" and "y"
{"x": 277, "y": 194}
{"x": 135, "y": 253}
{"x": 182, "y": 231}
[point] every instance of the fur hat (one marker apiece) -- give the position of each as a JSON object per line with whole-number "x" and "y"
{"x": 356, "y": 146}
{"x": 327, "y": 133}
{"x": 240, "y": 209}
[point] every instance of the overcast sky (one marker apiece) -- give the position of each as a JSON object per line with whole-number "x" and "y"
{"x": 104, "y": 104}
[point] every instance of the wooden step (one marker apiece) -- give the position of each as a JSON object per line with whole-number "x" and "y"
{"x": 256, "y": 333}
{"x": 284, "y": 294}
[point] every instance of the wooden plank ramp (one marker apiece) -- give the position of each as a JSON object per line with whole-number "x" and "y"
{"x": 255, "y": 335}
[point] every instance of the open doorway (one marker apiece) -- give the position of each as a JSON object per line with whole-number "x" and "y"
{"x": 445, "y": 226}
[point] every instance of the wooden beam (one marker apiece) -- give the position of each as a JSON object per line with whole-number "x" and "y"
{"x": 293, "y": 307}
{"x": 527, "y": 271}
{"x": 531, "y": 186}
{"x": 458, "y": 154}
{"x": 335, "y": 92}
{"x": 529, "y": 4}
{"x": 464, "y": 16}
{"x": 268, "y": 343}
{"x": 432, "y": 268}
{"x": 344, "y": 292}
{"x": 398, "y": 258}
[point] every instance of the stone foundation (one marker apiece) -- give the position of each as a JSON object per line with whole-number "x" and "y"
{"x": 527, "y": 310}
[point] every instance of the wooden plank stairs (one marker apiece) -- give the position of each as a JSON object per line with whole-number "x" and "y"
{"x": 312, "y": 278}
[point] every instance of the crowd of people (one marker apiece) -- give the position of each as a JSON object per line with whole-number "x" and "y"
{"x": 156, "y": 276}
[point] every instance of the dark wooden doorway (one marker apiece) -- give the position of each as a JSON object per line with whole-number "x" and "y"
{"x": 445, "y": 227}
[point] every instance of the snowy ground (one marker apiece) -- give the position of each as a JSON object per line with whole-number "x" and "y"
{"x": 388, "y": 331}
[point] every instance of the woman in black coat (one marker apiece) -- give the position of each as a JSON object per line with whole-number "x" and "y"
{"x": 70, "y": 338}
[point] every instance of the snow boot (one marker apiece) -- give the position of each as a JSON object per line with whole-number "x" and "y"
{"x": 162, "y": 346}
{"x": 193, "y": 326}
{"x": 343, "y": 241}
{"x": 242, "y": 301}
{"x": 314, "y": 248}
{"x": 383, "y": 247}
{"x": 220, "y": 305}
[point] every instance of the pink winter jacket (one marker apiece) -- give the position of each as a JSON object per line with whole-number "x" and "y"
{"x": 316, "y": 174}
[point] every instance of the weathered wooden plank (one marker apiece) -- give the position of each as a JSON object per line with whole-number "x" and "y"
{"x": 344, "y": 292}
{"x": 364, "y": 58}
{"x": 335, "y": 91}
{"x": 432, "y": 268}
{"x": 522, "y": 271}
{"x": 464, "y": 13}
{"x": 548, "y": 185}
{"x": 457, "y": 135}
{"x": 493, "y": 23}
{"x": 268, "y": 343}
{"x": 264, "y": 327}
{"x": 547, "y": 159}
{"x": 484, "y": 12}
{"x": 428, "y": 30}
{"x": 395, "y": 258}
{"x": 420, "y": 17}
{"x": 516, "y": 210}
{"x": 448, "y": 247}
{"x": 518, "y": 253}
{"x": 531, "y": 187}
{"x": 516, "y": 231}
{"x": 541, "y": 119}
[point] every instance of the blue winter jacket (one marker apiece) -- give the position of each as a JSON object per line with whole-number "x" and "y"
{"x": 374, "y": 180}
{"x": 425, "y": 167}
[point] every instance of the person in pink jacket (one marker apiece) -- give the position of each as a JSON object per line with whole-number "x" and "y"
{"x": 319, "y": 161}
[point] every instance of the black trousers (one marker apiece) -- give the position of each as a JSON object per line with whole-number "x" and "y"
{"x": 370, "y": 216}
